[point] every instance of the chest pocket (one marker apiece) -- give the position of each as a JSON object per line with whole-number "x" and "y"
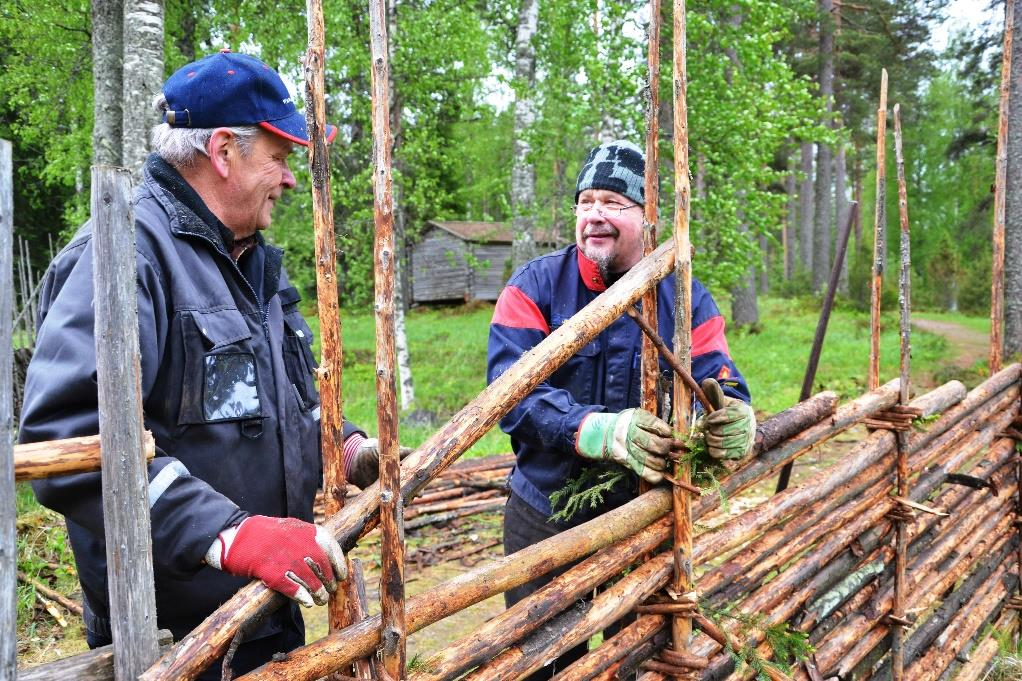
{"x": 580, "y": 375}
{"x": 299, "y": 360}
{"x": 220, "y": 381}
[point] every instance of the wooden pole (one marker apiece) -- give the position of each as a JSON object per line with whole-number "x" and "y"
{"x": 1001, "y": 171}
{"x": 129, "y": 555}
{"x": 210, "y": 639}
{"x": 651, "y": 192}
{"x": 821, "y": 326}
{"x": 681, "y": 625}
{"x": 879, "y": 237}
{"x": 8, "y": 506}
{"x": 901, "y": 436}
{"x": 339, "y": 613}
{"x": 39, "y": 460}
{"x": 660, "y": 346}
{"x": 650, "y": 366}
{"x": 392, "y": 578}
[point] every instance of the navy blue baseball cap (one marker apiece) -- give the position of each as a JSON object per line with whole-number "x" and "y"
{"x": 227, "y": 89}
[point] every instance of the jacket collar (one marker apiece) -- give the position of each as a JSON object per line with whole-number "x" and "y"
{"x": 590, "y": 273}
{"x": 190, "y": 217}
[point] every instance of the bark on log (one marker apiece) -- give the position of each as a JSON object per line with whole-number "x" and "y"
{"x": 982, "y": 654}
{"x": 794, "y": 420}
{"x": 879, "y": 236}
{"x": 8, "y": 492}
{"x": 578, "y": 625}
{"x": 359, "y": 640}
{"x": 530, "y": 613}
{"x": 95, "y": 665}
{"x": 595, "y": 661}
{"x": 209, "y": 640}
{"x": 62, "y": 457}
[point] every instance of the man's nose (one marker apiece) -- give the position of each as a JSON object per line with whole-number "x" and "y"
{"x": 288, "y": 178}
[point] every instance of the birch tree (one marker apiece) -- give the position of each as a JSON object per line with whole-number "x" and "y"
{"x": 821, "y": 238}
{"x": 107, "y": 61}
{"x": 523, "y": 173}
{"x": 142, "y": 79}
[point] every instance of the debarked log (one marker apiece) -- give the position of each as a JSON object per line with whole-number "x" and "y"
{"x": 984, "y": 651}
{"x": 94, "y": 665}
{"x": 210, "y": 639}
{"x": 63, "y": 457}
{"x": 359, "y": 640}
{"x": 618, "y": 646}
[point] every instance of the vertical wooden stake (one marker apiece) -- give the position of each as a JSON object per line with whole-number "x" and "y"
{"x": 681, "y": 626}
{"x": 332, "y": 346}
{"x": 129, "y": 557}
{"x": 901, "y": 436}
{"x": 392, "y": 587}
{"x": 650, "y": 362}
{"x": 8, "y": 507}
{"x": 997, "y": 265}
{"x": 879, "y": 237}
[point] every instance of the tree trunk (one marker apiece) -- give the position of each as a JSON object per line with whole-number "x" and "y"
{"x": 805, "y": 242}
{"x": 523, "y": 173}
{"x": 841, "y": 207}
{"x": 107, "y": 65}
{"x": 764, "y": 269}
{"x": 821, "y": 240}
{"x": 404, "y": 362}
{"x": 791, "y": 219}
{"x": 857, "y": 197}
{"x": 143, "y": 78}
{"x": 1013, "y": 203}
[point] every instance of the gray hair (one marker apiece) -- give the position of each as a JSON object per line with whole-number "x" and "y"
{"x": 181, "y": 147}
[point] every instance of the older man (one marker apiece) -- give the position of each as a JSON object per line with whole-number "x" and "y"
{"x": 228, "y": 383}
{"x": 587, "y": 411}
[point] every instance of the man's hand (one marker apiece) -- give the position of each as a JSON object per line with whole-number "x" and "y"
{"x": 634, "y": 438}
{"x": 296, "y": 558}
{"x": 364, "y": 468}
{"x": 731, "y": 428}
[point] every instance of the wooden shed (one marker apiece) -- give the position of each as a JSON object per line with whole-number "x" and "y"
{"x": 456, "y": 260}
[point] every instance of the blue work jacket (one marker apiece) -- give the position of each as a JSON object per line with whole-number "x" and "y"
{"x": 604, "y": 376}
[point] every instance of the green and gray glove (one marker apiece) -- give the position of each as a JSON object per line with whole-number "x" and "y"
{"x": 731, "y": 428}
{"x": 633, "y": 438}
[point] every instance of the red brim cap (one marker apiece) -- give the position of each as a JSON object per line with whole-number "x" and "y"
{"x": 294, "y": 128}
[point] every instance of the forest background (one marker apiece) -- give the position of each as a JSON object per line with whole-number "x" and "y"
{"x": 496, "y": 103}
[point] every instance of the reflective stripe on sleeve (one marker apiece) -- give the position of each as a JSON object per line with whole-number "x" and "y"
{"x": 165, "y": 479}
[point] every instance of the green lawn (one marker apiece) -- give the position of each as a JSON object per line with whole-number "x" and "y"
{"x": 448, "y": 352}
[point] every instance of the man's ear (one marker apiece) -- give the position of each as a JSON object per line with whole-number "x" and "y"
{"x": 222, "y": 149}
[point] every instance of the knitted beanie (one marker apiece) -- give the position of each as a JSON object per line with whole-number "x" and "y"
{"x": 618, "y": 166}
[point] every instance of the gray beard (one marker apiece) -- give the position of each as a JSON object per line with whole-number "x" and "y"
{"x": 603, "y": 262}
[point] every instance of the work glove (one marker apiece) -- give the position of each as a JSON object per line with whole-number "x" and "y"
{"x": 731, "y": 427}
{"x": 633, "y": 438}
{"x": 363, "y": 466}
{"x": 296, "y": 558}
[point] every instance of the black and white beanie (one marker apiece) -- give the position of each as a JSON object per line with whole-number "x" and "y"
{"x": 617, "y": 166}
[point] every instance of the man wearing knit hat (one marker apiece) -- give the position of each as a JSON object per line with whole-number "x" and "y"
{"x": 228, "y": 373}
{"x": 587, "y": 412}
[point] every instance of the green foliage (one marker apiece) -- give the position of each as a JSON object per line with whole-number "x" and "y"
{"x": 585, "y": 491}
{"x": 788, "y": 647}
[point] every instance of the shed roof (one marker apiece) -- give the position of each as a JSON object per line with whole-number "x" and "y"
{"x": 485, "y": 232}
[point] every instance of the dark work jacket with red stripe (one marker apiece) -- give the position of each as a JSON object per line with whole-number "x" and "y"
{"x": 602, "y": 376}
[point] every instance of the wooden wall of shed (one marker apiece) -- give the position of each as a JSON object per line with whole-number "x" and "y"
{"x": 491, "y": 272}
{"x": 439, "y": 268}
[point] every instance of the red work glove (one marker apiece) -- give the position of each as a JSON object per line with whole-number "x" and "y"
{"x": 296, "y": 558}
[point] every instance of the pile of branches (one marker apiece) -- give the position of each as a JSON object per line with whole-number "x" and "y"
{"x": 799, "y": 586}
{"x": 463, "y": 489}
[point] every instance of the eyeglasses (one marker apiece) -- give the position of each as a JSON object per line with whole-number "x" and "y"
{"x": 609, "y": 209}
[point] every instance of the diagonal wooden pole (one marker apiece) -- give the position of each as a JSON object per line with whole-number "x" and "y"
{"x": 392, "y": 559}
{"x": 905, "y": 304}
{"x": 681, "y": 625}
{"x": 1001, "y": 172}
{"x": 879, "y": 237}
{"x": 330, "y": 370}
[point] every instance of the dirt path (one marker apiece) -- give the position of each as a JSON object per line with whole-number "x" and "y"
{"x": 969, "y": 345}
